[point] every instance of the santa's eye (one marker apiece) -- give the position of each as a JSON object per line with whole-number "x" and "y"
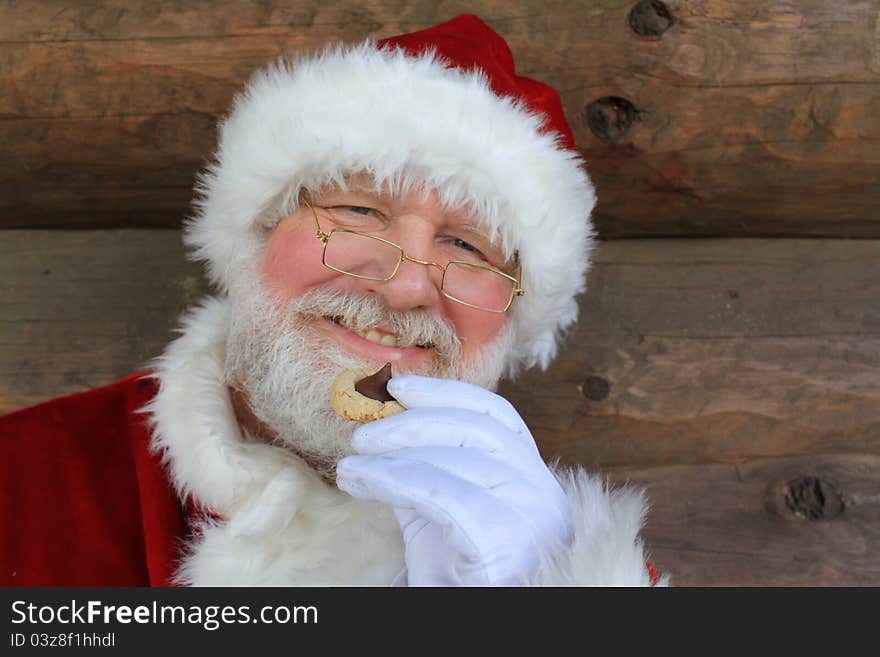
{"x": 358, "y": 209}
{"x": 461, "y": 244}
{"x": 456, "y": 248}
{"x": 358, "y": 216}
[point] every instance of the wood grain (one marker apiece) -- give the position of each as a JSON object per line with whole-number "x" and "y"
{"x": 712, "y": 372}
{"x": 751, "y": 118}
{"x": 80, "y": 309}
{"x": 717, "y": 350}
{"x": 729, "y": 525}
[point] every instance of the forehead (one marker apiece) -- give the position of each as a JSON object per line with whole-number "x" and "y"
{"x": 400, "y": 196}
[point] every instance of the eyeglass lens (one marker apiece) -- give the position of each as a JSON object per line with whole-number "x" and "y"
{"x": 365, "y": 256}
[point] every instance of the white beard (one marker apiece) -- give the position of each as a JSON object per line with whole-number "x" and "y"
{"x": 286, "y": 367}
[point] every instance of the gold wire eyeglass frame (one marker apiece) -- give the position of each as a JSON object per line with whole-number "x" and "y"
{"x": 516, "y": 291}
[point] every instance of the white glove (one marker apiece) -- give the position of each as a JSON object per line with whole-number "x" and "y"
{"x": 474, "y": 499}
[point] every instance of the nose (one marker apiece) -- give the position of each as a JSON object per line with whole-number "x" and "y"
{"x": 414, "y": 286}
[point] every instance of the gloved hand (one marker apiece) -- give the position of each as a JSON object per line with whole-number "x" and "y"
{"x": 473, "y": 497}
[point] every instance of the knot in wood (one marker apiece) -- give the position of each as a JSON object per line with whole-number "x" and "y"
{"x": 610, "y": 117}
{"x": 595, "y": 388}
{"x": 811, "y": 498}
{"x": 650, "y": 18}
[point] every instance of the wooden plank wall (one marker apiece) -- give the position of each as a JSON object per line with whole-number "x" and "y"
{"x": 737, "y": 378}
{"x": 752, "y": 118}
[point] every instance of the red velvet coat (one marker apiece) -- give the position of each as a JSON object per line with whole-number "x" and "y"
{"x": 81, "y": 484}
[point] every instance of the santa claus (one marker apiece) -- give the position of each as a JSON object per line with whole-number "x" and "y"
{"x": 411, "y": 201}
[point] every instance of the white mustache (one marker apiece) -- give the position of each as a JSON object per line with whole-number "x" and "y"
{"x": 363, "y": 312}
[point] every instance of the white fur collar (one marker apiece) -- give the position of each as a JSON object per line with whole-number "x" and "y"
{"x": 282, "y": 524}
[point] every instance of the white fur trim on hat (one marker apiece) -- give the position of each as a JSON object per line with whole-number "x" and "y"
{"x": 313, "y": 120}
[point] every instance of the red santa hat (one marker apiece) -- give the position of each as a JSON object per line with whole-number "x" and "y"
{"x": 443, "y": 107}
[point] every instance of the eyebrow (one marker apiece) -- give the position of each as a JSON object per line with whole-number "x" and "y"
{"x": 362, "y": 195}
{"x": 351, "y": 189}
{"x": 477, "y": 231}
{"x": 353, "y": 186}
{"x": 467, "y": 221}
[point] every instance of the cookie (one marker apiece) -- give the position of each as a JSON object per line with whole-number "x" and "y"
{"x": 361, "y": 395}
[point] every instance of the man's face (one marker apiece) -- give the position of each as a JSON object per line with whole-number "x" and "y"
{"x": 417, "y": 223}
{"x": 299, "y": 323}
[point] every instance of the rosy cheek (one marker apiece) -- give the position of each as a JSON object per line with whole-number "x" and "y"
{"x": 292, "y": 262}
{"x": 475, "y": 328}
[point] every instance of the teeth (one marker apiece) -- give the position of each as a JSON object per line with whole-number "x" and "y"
{"x": 379, "y": 338}
{"x": 373, "y": 335}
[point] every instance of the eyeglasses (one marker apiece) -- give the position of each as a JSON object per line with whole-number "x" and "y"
{"x": 369, "y": 257}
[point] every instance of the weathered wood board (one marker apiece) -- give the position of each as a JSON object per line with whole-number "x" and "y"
{"x": 791, "y": 521}
{"x": 738, "y": 380}
{"x": 80, "y": 309}
{"x": 753, "y": 118}
{"x": 716, "y": 350}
